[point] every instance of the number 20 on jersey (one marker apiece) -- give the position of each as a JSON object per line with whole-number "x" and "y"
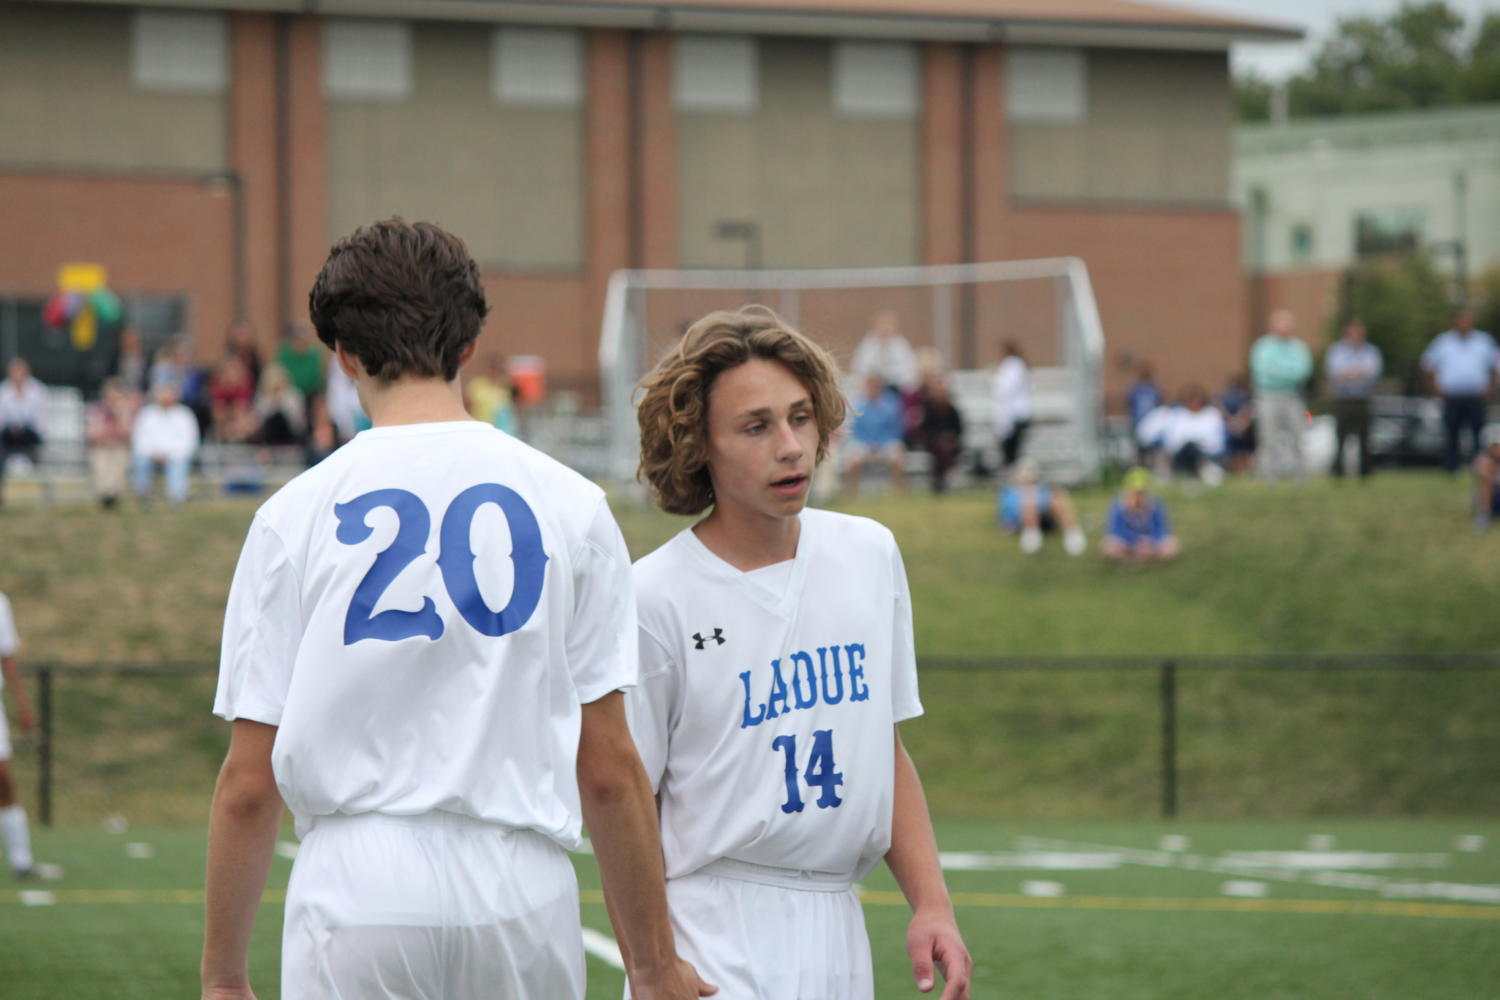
{"x": 455, "y": 561}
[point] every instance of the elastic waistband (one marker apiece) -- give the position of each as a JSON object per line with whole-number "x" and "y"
{"x": 431, "y": 821}
{"x": 782, "y": 878}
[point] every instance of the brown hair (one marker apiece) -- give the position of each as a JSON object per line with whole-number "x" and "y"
{"x": 674, "y": 408}
{"x": 404, "y": 298}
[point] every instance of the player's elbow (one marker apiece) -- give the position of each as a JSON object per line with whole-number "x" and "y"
{"x": 246, "y": 793}
{"x": 610, "y": 776}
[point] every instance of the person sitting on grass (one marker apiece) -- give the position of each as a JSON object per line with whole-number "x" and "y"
{"x": 1139, "y": 530}
{"x": 1487, "y": 479}
{"x": 1030, "y": 508}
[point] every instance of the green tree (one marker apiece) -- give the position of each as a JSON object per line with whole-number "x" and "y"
{"x": 1485, "y": 300}
{"x": 1404, "y": 302}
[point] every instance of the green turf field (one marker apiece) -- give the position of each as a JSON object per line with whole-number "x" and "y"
{"x": 1142, "y": 922}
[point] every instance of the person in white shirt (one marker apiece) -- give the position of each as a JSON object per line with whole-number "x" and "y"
{"x": 1190, "y": 436}
{"x": 164, "y": 437}
{"x": 23, "y": 408}
{"x": 777, "y": 658}
{"x": 1460, "y": 365}
{"x": 1011, "y": 392}
{"x": 884, "y": 353}
{"x": 424, "y": 649}
{"x": 13, "y": 825}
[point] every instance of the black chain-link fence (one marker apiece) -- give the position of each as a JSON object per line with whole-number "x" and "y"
{"x": 1002, "y": 736}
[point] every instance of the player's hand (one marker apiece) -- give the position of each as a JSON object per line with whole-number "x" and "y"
{"x": 932, "y": 939}
{"x": 677, "y": 980}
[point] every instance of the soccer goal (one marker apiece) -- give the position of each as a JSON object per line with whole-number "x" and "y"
{"x": 958, "y": 316}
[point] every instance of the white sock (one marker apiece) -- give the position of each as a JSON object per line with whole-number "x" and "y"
{"x": 17, "y": 838}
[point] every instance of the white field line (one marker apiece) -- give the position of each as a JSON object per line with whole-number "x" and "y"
{"x": 1065, "y": 861}
{"x": 603, "y": 947}
{"x": 1386, "y": 885}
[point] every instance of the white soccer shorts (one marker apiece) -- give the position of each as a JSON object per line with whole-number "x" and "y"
{"x": 430, "y": 907}
{"x": 762, "y": 933}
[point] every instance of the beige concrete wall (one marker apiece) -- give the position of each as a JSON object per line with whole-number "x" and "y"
{"x": 507, "y": 178}
{"x": 827, "y": 190}
{"x": 1157, "y": 130}
{"x": 67, "y": 101}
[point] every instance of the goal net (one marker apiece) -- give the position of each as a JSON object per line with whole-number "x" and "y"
{"x": 957, "y": 316}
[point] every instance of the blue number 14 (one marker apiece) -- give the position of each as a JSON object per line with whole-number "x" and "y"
{"x": 820, "y": 771}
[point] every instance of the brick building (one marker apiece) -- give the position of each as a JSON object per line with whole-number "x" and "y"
{"x": 207, "y": 154}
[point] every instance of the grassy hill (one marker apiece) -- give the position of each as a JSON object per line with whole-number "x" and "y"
{"x": 1391, "y": 566}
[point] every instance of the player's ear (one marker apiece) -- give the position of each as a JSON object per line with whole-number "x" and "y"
{"x": 347, "y": 361}
{"x": 467, "y": 354}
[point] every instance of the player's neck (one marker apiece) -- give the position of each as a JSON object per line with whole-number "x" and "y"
{"x": 749, "y": 541}
{"x": 412, "y": 401}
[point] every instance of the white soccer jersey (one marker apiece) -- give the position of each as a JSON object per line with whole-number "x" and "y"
{"x": 10, "y": 642}
{"x": 765, "y": 718}
{"x": 422, "y": 614}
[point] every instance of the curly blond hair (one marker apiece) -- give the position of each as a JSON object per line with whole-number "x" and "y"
{"x": 673, "y": 412}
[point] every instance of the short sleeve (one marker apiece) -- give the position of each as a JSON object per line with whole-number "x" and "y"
{"x": 601, "y": 643}
{"x": 262, "y": 630}
{"x": 905, "y": 704}
{"x": 651, "y": 706}
{"x": 10, "y": 642}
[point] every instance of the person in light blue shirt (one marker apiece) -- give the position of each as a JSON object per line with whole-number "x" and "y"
{"x": 1460, "y": 366}
{"x": 1280, "y": 365}
{"x": 877, "y": 432}
{"x": 1352, "y": 366}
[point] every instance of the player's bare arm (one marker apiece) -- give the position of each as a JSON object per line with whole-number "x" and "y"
{"x": 243, "y": 824}
{"x": 24, "y": 717}
{"x": 932, "y": 937}
{"x": 620, "y": 812}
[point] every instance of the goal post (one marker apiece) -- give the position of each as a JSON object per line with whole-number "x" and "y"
{"x": 956, "y": 315}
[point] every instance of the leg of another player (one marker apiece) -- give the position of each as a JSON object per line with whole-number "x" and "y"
{"x": 12, "y": 814}
{"x": 932, "y": 936}
{"x": 243, "y": 824}
{"x": 621, "y": 816}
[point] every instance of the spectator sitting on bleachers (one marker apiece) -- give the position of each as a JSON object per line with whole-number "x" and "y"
{"x": 1143, "y": 396}
{"x": 877, "y": 432}
{"x": 1238, "y": 407}
{"x": 1188, "y": 437}
{"x": 23, "y": 407}
{"x": 280, "y": 412}
{"x": 1139, "y": 530}
{"x": 305, "y": 362}
{"x": 174, "y": 363}
{"x": 1030, "y": 508}
{"x": 165, "y": 438}
{"x": 109, "y": 424}
{"x": 941, "y": 429}
{"x": 241, "y": 344}
{"x": 232, "y": 393}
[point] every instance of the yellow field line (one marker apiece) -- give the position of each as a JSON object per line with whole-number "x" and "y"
{"x": 984, "y": 900}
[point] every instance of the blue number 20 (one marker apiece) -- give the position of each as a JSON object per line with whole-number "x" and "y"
{"x": 820, "y": 771}
{"x": 455, "y": 561}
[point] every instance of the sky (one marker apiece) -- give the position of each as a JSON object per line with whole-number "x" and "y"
{"x": 1316, "y": 17}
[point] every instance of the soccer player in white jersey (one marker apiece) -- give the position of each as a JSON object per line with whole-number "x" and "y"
{"x": 12, "y": 814}
{"x": 776, "y": 660}
{"x": 424, "y": 650}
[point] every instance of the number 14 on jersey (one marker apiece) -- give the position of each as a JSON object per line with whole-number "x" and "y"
{"x": 820, "y": 772}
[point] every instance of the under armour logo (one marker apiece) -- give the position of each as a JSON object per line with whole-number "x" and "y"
{"x": 699, "y": 638}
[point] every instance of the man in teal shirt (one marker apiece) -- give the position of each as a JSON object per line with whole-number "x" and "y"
{"x": 1280, "y": 365}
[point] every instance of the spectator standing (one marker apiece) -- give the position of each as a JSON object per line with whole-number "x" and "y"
{"x": 1237, "y": 405}
{"x": 886, "y": 354}
{"x": 23, "y": 408}
{"x": 165, "y": 437}
{"x": 280, "y": 410}
{"x": 1011, "y": 391}
{"x": 108, "y": 425}
{"x": 1460, "y": 366}
{"x": 1139, "y": 530}
{"x": 1280, "y": 365}
{"x": 941, "y": 429}
{"x": 1352, "y": 366}
{"x": 877, "y": 432}
{"x": 1030, "y": 508}
{"x": 131, "y": 365}
{"x": 304, "y": 360}
{"x": 241, "y": 344}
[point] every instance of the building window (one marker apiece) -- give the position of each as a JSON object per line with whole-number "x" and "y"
{"x": 180, "y": 51}
{"x": 1302, "y": 241}
{"x": 875, "y": 79}
{"x": 536, "y": 66}
{"x": 716, "y": 73}
{"x": 1046, "y": 85}
{"x": 366, "y": 60}
{"x": 1388, "y": 230}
